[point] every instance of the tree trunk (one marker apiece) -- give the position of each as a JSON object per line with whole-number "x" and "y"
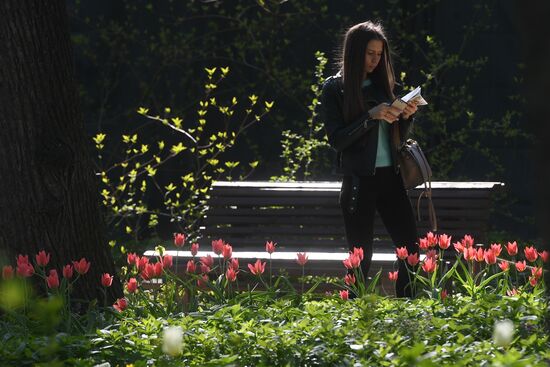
{"x": 48, "y": 194}
{"x": 535, "y": 27}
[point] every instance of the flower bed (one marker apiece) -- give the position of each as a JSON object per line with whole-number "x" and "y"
{"x": 487, "y": 308}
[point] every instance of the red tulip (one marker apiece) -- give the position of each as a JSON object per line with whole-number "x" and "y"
{"x": 132, "y": 258}
{"x": 106, "y": 280}
{"x": 504, "y": 265}
{"x": 531, "y": 253}
{"x": 444, "y": 294}
{"x": 444, "y": 241}
{"x": 148, "y": 272}
{"x": 512, "y": 248}
{"x": 207, "y": 260}
{"x": 132, "y": 285}
{"x": 227, "y": 251}
{"x": 52, "y": 280}
{"x": 121, "y": 304}
{"x": 521, "y": 265}
{"x": 402, "y": 252}
{"x": 179, "y": 239}
{"x": 423, "y": 243}
{"x": 392, "y": 275}
{"x": 194, "y": 249}
{"x": 429, "y": 265}
{"x": 217, "y": 246}
{"x": 258, "y": 267}
{"x": 413, "y": 259}
{"x": 81, "y": 266}
{"x": 344, "y": 295}
{"x": 7, "y": 272}
{"x": 191, "y": 268}
{"x": 468, "y": 241}
{"x": 536, "y": 272}
{"x": 349, "y": 279}
{"x": 167, "y": 261}
{"x": 231, "y": 274}
{"x": 68, "y": 271}
{"x": 490, "y": 257}
{"x": 533, "y": 281}
{"x": 42, "y": 258}
{"x": 497, "y": 248}
{"x": 301, "y": 258}
{"x": 25, "y": 270}
{"x": 544, "y": 256}
{"x": 234, "y": 264}
{"x": 270, "y": 247}
{"x": 432, "y": 239}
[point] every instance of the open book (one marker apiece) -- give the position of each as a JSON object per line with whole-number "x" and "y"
{"x": 412, "y": 96}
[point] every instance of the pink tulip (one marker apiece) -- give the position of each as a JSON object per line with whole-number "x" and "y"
{"x": 81, "y": 266}
{"x": 358, "y": 251}
{"x": 459, "y": 247}
{"x": 167, "y": 262}
{"x": 533, "y": 281}
{"x": 349, "y": 279}
{"x": 497, "y": 248}
{"x": 531, "y": 253}
{"x": 301, "y": 258}
{"x": 25, "y": 270}
{"x": 512, "y": 248}
{"x": 179, "y": 239}
{"x": 536, "y": 272}
{"x": 142, "y": 262}
{"x": 469, "y": 253}
{"x": 132, "y": 258}
{"x": 352, "y": 262}
{"x": 158, "y": 269}
{"x": 205, "y": 269}
{"x": 521, "y": 265}
{"x": 227, "y": 251}
{"x": 392, "y": 275}
{"x": 42, "y": 258}
{"x": 194, "y": 249}
{"x": 52, "y": 280}
{"x": 479, "y": 254}
{"x": 544, "y": 256}
{"x": 22, "y": 259}
{"x": 121, "y": 304}
{"x": 402, "y": 252}
{"x": 429, "y": 265}
{"x": 202, "y": 282}
{"x": 217, "y": 246}
{"x": 344, "y": 295}
{"x": 258, "y": 267}
{"x": 432, "y": 239}
{"x": 504, "y": 265}
{"x": 7, "y": 272}
{"x": 444, "y": 241}
{"x": 231, "y": 275}
{"x": 270, "y": 247}
{"x": 468, "y": 241}
{"x": 423, "y": 243}
{"x": 207, "y": 260}
{"x": 132, "y": 285}
{"x": 432, "y": 254}
{"x": 234, "y": 264}
{"x": 191, "y": 267}
{"x": 490, "y": 257}
{"x": 512, "y": 292}
{"x": 68, "y": 271}
{"x": 413, "y": 259}
{"x": 148, "y": 272}
{"x": 106, "y": 280}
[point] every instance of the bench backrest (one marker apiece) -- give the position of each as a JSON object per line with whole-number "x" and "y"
{"x": 306, "y": 215}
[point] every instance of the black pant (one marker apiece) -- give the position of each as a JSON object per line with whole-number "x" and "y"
{"x": 385, "y": 193}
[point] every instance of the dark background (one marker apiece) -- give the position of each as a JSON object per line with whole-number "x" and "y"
{"x": 141, "y": 53}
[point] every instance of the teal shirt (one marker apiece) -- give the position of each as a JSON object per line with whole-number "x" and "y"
{"x": 383, "y": 151}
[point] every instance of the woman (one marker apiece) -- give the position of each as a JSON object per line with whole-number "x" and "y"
{"x": 364, "y": 129}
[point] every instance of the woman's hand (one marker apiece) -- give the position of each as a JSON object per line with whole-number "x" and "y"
{"x": 385, "y": 112}
{"x": 409, "y": 110}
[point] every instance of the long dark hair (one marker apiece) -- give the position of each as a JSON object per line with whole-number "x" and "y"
{"x": 352, "y": 66}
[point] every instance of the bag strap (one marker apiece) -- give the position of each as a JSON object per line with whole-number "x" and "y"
{"x": 426, "y": 176}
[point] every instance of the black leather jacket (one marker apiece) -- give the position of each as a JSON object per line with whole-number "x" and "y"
{"x": 356, "y": 142}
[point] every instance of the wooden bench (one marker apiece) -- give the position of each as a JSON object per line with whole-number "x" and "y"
{"x": 306, "y": 217}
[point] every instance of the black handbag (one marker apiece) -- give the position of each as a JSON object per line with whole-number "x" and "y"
{"x": 415, "y": 171}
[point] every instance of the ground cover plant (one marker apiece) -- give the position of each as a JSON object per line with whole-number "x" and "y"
{"x": 486, "y": 307}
